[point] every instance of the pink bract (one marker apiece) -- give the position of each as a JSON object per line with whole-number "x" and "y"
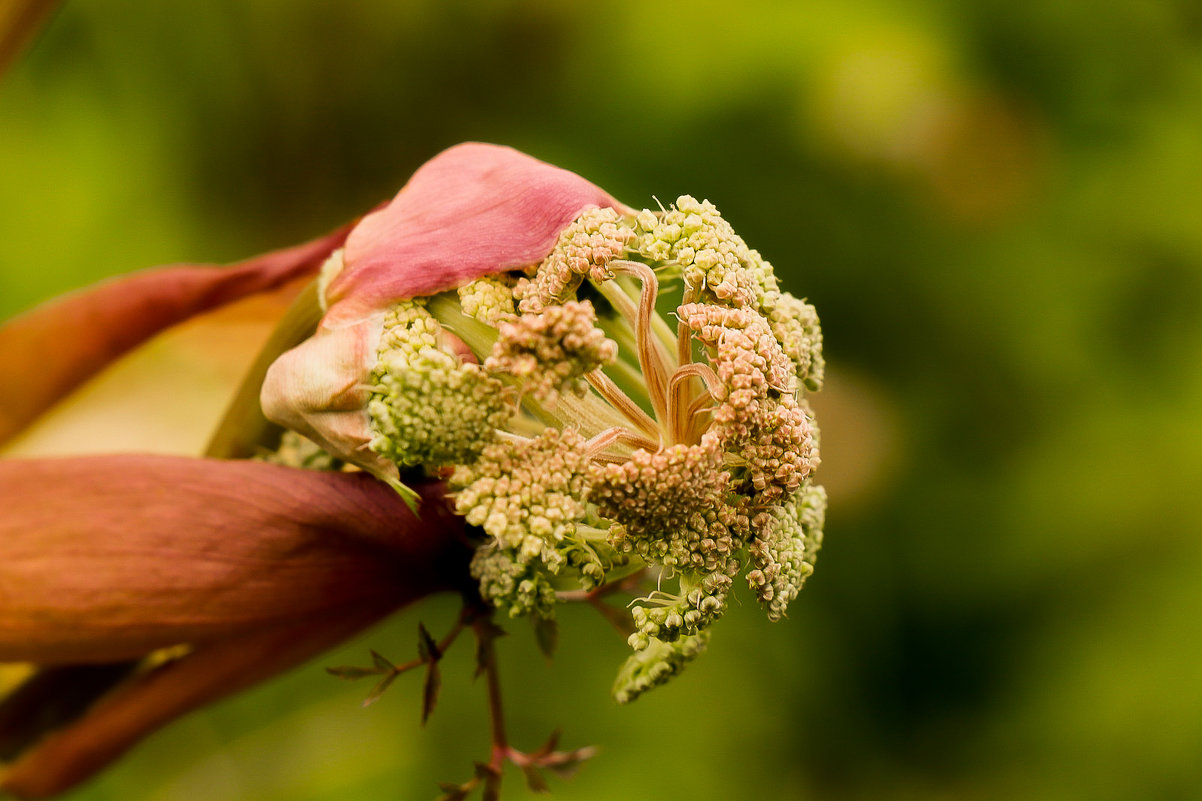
{"x": 473, "y": 210}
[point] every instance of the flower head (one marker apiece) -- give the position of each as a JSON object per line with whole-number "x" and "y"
{"x": 590, "y": 426}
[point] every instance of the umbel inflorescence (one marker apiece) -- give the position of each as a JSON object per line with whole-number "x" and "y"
{"x": 593, "y": 430}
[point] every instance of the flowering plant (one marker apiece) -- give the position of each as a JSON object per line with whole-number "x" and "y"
{"x": 504, "y": 383}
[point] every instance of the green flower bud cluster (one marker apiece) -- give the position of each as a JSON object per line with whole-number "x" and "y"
{"x": 716, "y": 262}
{"x": 795, "y": 325}
{"x": 593, "y": 439}
{"x": 489, "y": 299}
{"x": 657, "y": 664}
{"x": 428, "y": 406}
{"x": 784, "y": 550}
{"x": 513, "y": 586}
{"x": 766, "y": 426}
{"x": 527, "y": 495}
{"x": 712, "y": 257}
{"x": 584, "y": 249}
{"x": 680, "y": 617}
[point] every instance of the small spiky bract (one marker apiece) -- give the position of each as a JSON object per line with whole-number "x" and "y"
{"x": 592, "y": 429}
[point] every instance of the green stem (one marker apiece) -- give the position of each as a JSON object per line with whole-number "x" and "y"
{"x": 244, "y": 431}
{"x": 478, "y": 336}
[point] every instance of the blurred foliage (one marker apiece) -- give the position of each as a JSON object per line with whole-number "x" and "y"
{"x": 995, "y": 206}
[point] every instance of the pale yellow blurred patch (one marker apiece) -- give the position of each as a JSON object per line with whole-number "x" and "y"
{"x": 862, "y": 444}
{"x": 983, "y": 158}
{"x": 896, "y": 97}
{"x": 11, "y": 675}
{"x": 875, "y": 95}
{"x": 165, "y": 397}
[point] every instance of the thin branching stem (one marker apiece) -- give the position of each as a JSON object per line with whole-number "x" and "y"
{"x": 612, "y": 458}
{"x": 443, "y": 644}
{"x": 496, "y": 711}
{"x": 684, "y": 343}
{"x": 590, "y": 414}
{"x": 595, "y": 598}
{"x": 624, "y": 584}
{"x": 509, "y": 436}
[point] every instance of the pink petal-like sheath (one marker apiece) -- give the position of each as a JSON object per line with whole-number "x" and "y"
{"x": 321, "y": 388}
{"x": 107, "y": 558}
{"x": 147, "y": 702}
{"x": 48, "y": 351}
{"x": 472, "y": 210}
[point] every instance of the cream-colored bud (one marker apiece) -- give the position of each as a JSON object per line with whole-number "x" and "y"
{"x": 320, "y": 390}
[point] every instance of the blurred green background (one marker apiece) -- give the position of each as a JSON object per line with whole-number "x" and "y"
{"x": 995, "y": 206}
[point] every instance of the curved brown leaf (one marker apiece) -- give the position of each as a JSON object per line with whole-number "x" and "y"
{"x": 48, "y": 351}
{"x": 107, "y": 558}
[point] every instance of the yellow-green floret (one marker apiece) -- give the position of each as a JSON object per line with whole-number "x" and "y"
{"x": 584, "y": 249}
{"x": 784, "y": 549}
{"x": 528, "y": 497}
{"x": 489, "y": 299}
{"x": 428, "y": 406}
{"x": 656, "y": 665}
